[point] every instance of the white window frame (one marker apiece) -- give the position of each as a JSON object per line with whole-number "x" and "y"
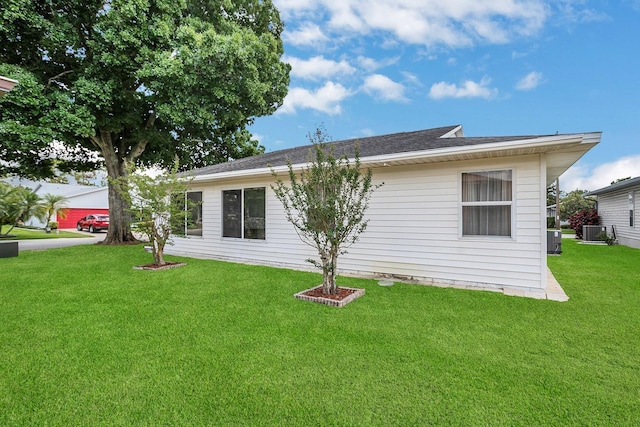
{"x": 511, "y": 203}
{"x": 632, "y": 209}
{"x": 242, "y": 219}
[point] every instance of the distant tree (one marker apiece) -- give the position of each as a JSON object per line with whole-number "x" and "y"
{"x": 326, "y": 204}
{"x": 94, "y": 177}
{"x": 551, "y": 194}
{"x": 584, "y": 217}
{"x": 139, "y": 82}
{"x": 159, "y": 205}
{"x": 29, "y": 205}
{"x": 8, "y": 205}
{"x": 54, "y": 205}
{"x": 574, "y": 202}
{"x": 620, "y": 180}
{"x": 17, "y": 204}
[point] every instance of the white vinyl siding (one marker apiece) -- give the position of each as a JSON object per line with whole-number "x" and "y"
{"x": 413, "y": 232}
{"x": 615, "y": 210}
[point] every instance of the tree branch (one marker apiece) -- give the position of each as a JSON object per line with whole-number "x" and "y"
{"x": 64, "y": 73}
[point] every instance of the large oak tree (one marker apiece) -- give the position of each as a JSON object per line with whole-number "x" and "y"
{"x": 143, "y": 81}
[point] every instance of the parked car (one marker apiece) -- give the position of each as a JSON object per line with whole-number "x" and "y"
{"x": 93, "y": 223}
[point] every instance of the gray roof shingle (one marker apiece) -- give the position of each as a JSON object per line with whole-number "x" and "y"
{"x": 621, "y": 185}
{"x": 404, "y": 142}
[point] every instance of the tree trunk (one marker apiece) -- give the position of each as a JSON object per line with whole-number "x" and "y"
{"x": 119, "y": 230}
{"x": 158, "y": 254}
{"x": 329, "y": 264}
{"x": 119, "y": 217}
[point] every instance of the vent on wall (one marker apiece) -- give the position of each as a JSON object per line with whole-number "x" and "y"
{"x": 590, "y": 232}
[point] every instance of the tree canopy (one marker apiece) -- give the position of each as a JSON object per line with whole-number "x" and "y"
{"x": 573, "y": 203}
{"x": 140, "y": 81}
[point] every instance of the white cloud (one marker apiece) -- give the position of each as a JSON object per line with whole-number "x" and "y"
{"x": 370, "y": 64}
{"x": 454, "y": 23}
{"x": 573, "y": 11}
{"x": 308, "y": 34}
{"x": 586, "y": 177}
{"x": 383, "y": 88}
{"x": 411, "y": 78}
{"x": 468, "y": 89}
{"x": 325, "y": 99}
{"x": 530, "y": 81}
{"x": 318, "y": 67}
{"x": 635, "y": 4}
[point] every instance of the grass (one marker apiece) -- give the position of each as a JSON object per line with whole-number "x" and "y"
{"x": 86, "y": 340}
{"x": 26, "y": 234}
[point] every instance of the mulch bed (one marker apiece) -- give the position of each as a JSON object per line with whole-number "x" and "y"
{"x": 166, "y": 266}
{"x": 343, "y": 297}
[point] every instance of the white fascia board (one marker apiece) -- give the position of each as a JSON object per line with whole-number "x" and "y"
{"x": 372, "y": 161}
{"x": 454, "y": 133}
{"x": 6, "y": 84}
{"x": 83, "y": 193}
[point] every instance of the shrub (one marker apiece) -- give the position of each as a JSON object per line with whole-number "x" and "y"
{"x": 585, "y": 217}
{"x": 551, "y": 222}
{"x": 604, "y": 237}
{"x": 565, "y": 226}
{"x": 53, "y": 225}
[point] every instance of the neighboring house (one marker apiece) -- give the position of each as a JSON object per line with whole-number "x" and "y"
{"x": 454, "y": 210}
{"x": 551, "y": 211}
{"x": 617, "y": 210}
{"x": 83, "y": 200}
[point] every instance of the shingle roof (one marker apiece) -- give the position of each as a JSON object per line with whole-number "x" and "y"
{"x": 404, "y": 142}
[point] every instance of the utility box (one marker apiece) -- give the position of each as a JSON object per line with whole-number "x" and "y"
{"x": 554, "y": 242}
{"x": 8, "y": 249}
{"x": 590, "y": 232}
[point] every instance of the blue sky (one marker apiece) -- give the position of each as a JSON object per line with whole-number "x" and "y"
{"x": 499, "y": 67}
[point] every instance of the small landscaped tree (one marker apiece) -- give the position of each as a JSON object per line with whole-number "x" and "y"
{"x": 8, "y": 201}
{"x": 158, "y": 207}
{"x": 24, "y": 204}
{"x": 326, "y": 204}
{"x": 54, "y": 205}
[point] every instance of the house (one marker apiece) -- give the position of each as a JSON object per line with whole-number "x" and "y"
{"x": 82, "y": 200}
{"x": 616, "y": 208}
{"x": 454, "y": 210}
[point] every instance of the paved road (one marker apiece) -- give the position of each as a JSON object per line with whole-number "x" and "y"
{"x": 36, "y": 244}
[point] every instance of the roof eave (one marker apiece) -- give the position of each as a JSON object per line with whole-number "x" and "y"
{"x": 514, "y": 147}
{"x": 615, "y": 187}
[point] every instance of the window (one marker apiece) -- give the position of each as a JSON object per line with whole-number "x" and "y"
{"x": 193, "y": 220}
{"x": 243, "y": 213}
{"x": 631, "y": 207}
{"x": 487, "y": 203}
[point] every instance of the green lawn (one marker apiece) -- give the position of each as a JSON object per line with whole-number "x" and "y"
{"x": 87, "y": 340}
{"x": 26, "y": 234}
